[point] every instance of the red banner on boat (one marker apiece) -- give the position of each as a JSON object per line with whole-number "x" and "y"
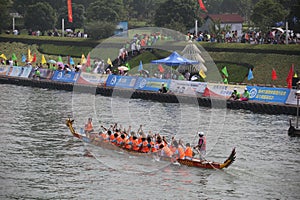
{"x": 70, "y": 16}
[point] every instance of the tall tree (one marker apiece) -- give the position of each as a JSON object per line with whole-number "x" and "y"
{"x": 78, "y": 16}
{"x": 4, "y": 14}
{"x": 181, "y": 13}
{"x": 266, "y": 13}
{"x": 106, "y": 10}
{"x": 40, "y": 16}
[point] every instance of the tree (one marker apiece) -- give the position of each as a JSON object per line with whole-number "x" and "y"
{"x": 78, "y": 13}
{"x": 183, "y": 12}
{"x": 98, "y": 30}
{"x": 40, "y": 16}
{"x": 4, "y": 14}
{"x": 106, "y": 10}
{"x": 266, "y": 13}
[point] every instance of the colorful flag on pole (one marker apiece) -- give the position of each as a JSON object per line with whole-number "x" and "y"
{"x": 128, "y": 66}
{"x": 29, "y": 57}
{"x": 14, "y": 57}
{"x": 23, "y": 58}
{"x": 3, "y": 56}
{"x": 83, "y": 60}
{"x": 70, "y": 16}
{"x": 43, "y": 61}
{"x": 250, "y": 75}
{"x": 274, "y": 75}
{"x": 202, "y": 74}
{"x": 109, "y": 62}
{"x": 140, "y": 66}
{"x": 161, "y": 69}
{"x": 34, "y": 58}
{"x": 59, "y": 59}
{"x": 88, "y": 61}
{"x": 295, "y": 75}
{"x": 289, "y": 78}
{"x": 224, "y": 71}
{"x": 71, "y": 61}
{"x": 201, "y": 4}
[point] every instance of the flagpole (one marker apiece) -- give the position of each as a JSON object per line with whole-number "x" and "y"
{"x": 62, "y": 27}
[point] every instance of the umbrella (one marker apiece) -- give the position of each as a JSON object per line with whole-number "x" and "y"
{"x": 52, "y": 61}
{"x": 123, "y": 68}
{"x": 60, "y": 64}
{"x": 69, "y": 30}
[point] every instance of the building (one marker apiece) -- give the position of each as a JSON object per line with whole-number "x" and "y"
{"x": 235, "y": 21}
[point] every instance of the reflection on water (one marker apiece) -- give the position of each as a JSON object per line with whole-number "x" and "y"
{"x": 41, "y": 160}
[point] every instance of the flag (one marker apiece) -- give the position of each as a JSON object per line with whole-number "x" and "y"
{"x": 202, "y": 74}
{"x": 224, "y": 71}
{"x": 23, "y": 58}
{"x": 70, "y": 16}
{"x": 59, "y": 59}
{"x": 43, "y": 61}
{"x": 127, "y": 65}
{"x": 274, "y": 75}
{"x": 88, "y": 61}
{"x": 34, "y": 58}
{"x": 161, "y": 69}
{"x": 201, "y": 4}
{"x": 109, "y": 62}
{"x": 289, "y": 78}
{"x": 83, "y": 60}
{"x": 250, "y": 75}
{"x": 29, "y": 57}
{"x": 295, "y": 75}
{"x": 71, "y": 61}
{"x": 140, "y": 66}
{"x": 14, "y": 57}
{"x": 3, "y": 56}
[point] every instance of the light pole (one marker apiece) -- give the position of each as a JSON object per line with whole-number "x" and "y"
{"x": 14, "y": 15}
{"x": 298, "y": 96}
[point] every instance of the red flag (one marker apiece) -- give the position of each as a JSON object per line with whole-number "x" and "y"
{"x": 88, "y": 60}
{"x": 70, "y": 16}
{"x": 274, "y": 75}
{"x": 34, "y": 58}
{"x": 202, "y": 5}
{"x": 289, "y": 78}
{"x": 161, "y": 69}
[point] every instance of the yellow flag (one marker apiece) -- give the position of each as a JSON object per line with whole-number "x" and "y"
{"x": 202, "y": 74}
{"x": 83, "y": 60}
{"x": 29, "y": 57}
{"x": 109, "y": 62}
{"x": 295, "y": 75}
{"x": 43, "y": 59}
{"x": 3, "y": 56}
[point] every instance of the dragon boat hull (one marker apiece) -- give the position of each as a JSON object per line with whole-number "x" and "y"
{"x": 191, "y": 163}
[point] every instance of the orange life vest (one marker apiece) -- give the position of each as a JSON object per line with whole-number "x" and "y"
{"x": 181, "y": 152}
{"x": 135, "y": 145}
{"x": 167, "y": 151}
{"x": 89, "y": 127}
{"x": 145, "y": 147}
{"x": 188, "y": 152}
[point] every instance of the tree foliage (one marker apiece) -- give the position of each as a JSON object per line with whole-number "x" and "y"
{"x": 78, "y": 16}
{"x": 40, "y": 16}
{"x": 183, "y": 14}
{"x": 4, "y": 14}
{"x": 267, "y": 12}
{"x": 98, "y": 30}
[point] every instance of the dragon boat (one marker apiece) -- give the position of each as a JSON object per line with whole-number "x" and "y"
{"x": 89, "y": 138}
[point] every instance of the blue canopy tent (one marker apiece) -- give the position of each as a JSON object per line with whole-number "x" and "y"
{"x": 175, "y": 60}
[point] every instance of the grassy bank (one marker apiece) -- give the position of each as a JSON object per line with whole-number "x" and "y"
{"x": 237, "y": 63}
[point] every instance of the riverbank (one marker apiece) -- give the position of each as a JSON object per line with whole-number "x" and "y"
{"x": 254, "y": 106}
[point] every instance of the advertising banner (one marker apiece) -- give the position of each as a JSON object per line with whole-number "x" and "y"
{"x": 187, "y": 87}
{"x": 63, "y": 76}
{"x": 268, "y": 94}
{"x": 4, "y": 70}
{"x": 46, "y": 73}
{"x": 26, "y": 72}
{"x": 92, "y": 79}
{"x": 222, "y": 90}
{"x": 20, "y": 71}
{"x": 121, "y": 81}
{"x": 292, "y": 98}
{"x": 151, "y": 84}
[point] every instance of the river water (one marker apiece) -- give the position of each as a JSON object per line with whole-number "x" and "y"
{"x": 41, "y": 160}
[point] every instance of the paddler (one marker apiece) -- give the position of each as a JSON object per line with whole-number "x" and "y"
{"x": 201, "y": 146}
{"x": 88, "y": 128}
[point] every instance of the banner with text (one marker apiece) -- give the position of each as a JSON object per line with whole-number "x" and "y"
{"x": 63, "y": 76}
{"x": 92, "y": 79}
{"x": 221, "y": 90}
{"x": 20, "y": 71}
{"x": 187, "y": 87}
{"x": 268, "y": 94}
{"x": 4, "y": 70}
{"x": 121, "y": 81}
{"x": 151, "y": 84}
